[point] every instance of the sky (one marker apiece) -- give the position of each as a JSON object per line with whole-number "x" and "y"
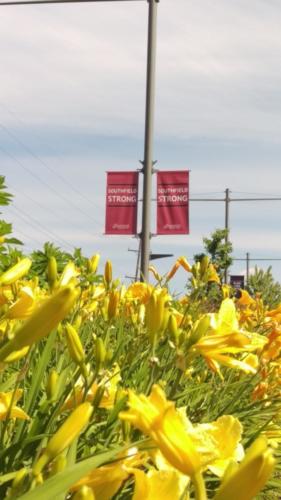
{"x": 72, "y": 107}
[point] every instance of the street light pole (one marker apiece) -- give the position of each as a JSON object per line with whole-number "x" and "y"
{"x": 148, "y": 144}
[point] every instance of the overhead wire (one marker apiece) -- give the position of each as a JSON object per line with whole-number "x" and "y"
{"x": 51, "y": 188}
{"x": 22, "y": 193}
{"x": 43, "y": 162}
{"x": 23, "y": 215}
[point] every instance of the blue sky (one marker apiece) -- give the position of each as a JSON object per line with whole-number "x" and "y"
{"x": 72, "y": 107}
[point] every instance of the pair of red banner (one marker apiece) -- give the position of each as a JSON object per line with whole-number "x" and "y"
{"x": 172, "y": 202}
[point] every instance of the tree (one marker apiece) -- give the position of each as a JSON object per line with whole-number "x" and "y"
{"x": 8, "y": 255}
{"x": 263, "y": 282}
{"x": 218, "y": 249}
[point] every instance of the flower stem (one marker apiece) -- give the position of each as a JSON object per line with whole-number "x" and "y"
{"x": 199, "y": 486}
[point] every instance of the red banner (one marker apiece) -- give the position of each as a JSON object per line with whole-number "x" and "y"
{"x": 121, "y": 203}
{"x": 172, "y": 202}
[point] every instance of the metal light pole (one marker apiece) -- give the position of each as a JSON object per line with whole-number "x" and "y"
{"x": 148, "y": 144}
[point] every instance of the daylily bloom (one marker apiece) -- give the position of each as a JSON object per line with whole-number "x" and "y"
{"x": 244, "y": 481}
{"x": 69, "y": 273}
{"x": 218, "y": 442}
{"x": 24, "y": 305}
{"x": 225, "y": 337}
{"x": 105, "y": 481}
{"x": 139, "y": 291}
{"x": 164, "y": 484}
{"x": 10, "y": 398}
{"x": 158, "y": 418}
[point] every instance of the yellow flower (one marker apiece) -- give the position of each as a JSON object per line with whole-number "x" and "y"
{"x": 158, "y": 418}
{"x": 226, "y": 338}
{"x": 10, "y": 398}
{"x": 64, "y": 436}
{"x": 44, "y": 319}
{"x": 108, "y": 479}
{"x": 69, "y": 273}
{"x": 139, "y": 291}
{"x": 24, "y": 305}
{"x": 244, "y": 482}
{"x": 218, "y": 442}
{"x": 164, "y": 484}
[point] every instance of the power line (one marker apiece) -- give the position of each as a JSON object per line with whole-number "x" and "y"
{"x": 38, "y": 178}
{"x": 50, "y": 210}
{"x": 32, "y": 2}
{"x": 36, "y": 157}
{"x": 23, "y": 215}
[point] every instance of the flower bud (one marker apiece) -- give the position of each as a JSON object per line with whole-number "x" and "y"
{"x": 183, "y": 262}
{"x": 173, "y": 328}
{"x": 100, "y": 352}
{"x": 108, "y": 272}
{"x": 113, "y": 302}
{"x": 51, "y": 386}
{"x": 52, "y": 272}
{"x": 93, "y": 263}
{"x": 155, "y": 313}
{"x": 74, "y": 344}
{"x": 69, "y": 430}
{"x": 16, "y": 272}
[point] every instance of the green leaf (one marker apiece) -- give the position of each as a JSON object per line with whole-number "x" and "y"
{"x": 60, "y": 483}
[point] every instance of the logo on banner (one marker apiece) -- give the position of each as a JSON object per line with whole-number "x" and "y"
{"x": 173, "y": 202}
{"x": 121, "y": 203}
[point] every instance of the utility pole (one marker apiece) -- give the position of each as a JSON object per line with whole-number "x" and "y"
{"x": 226, "y": 226}
{"x": 148, "y": 144}
{"x": 247, "y": 267}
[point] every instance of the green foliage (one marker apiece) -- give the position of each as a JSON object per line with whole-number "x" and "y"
{"x": 263, "y": 282}
{"x": 5, "y": 197}
{"x": 40, "y": 260}
{"x": 218, "y": 249}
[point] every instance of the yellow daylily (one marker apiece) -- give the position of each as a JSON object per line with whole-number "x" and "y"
{"x": 244, "y": 481}
{"x": 139, "y": 291}
{"x": 225, "y": 337}
{"x": 158, "y": 418}
{"x": 218, "y": 442}
{"x": 106, "y": 480}
{"x": 69, "y": 273}
{"x": 24, "y": 305}
{"x": 8, "y": 406}
{"x": 164, "y": 484}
